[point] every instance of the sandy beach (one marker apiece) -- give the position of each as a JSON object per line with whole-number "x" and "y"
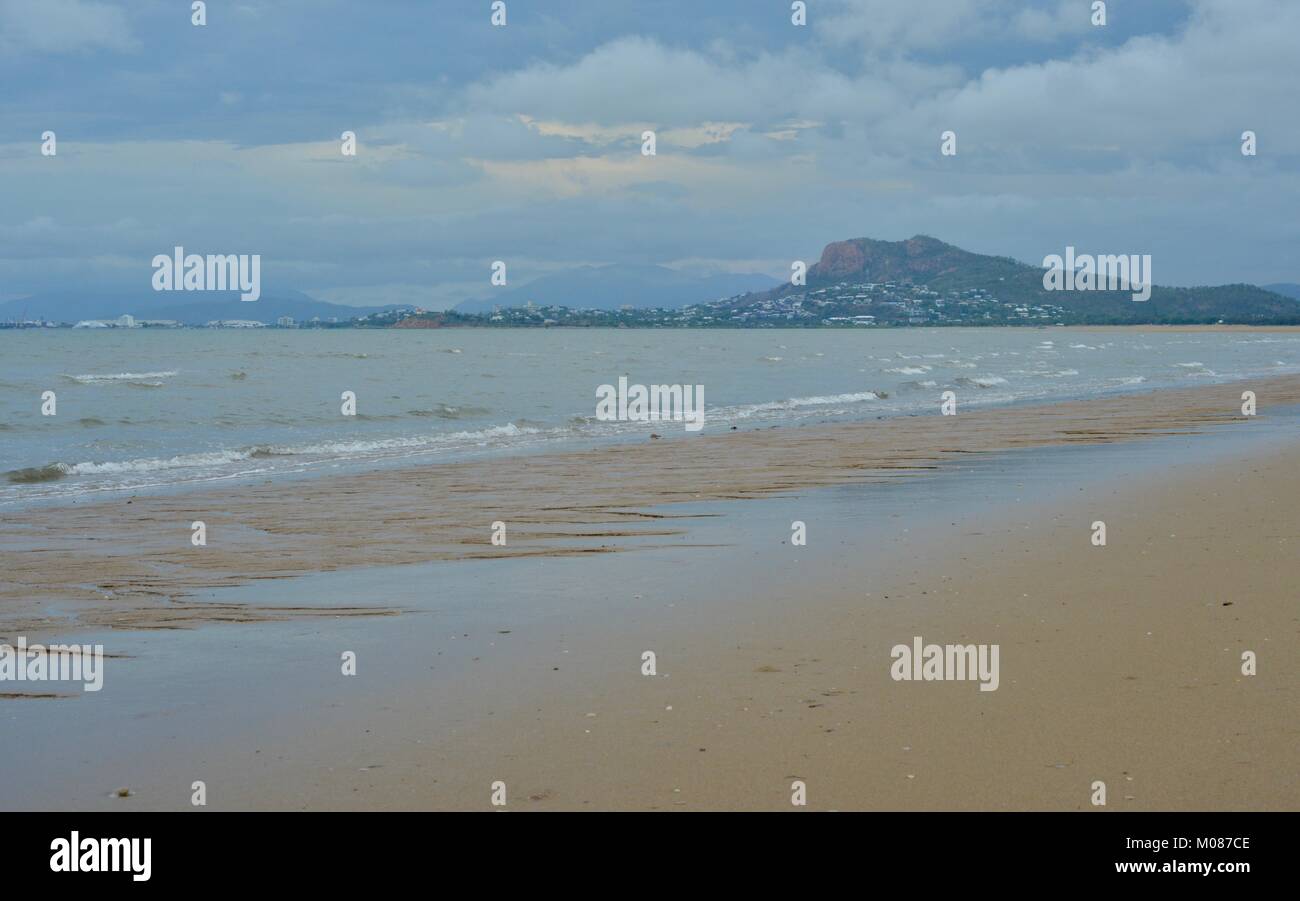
{"x": 1120, "y": 664}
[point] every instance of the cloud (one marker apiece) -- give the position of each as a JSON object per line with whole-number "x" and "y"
{"x": 1181, "y": 98}
{"x": 886, "y": 25}
{"x": 641, "y": 79}
{"x": 62, "y": 26}
{"x": 1069, "y": 16}
{"x": 766, "y": 150}
{"x": 889, "y": 28}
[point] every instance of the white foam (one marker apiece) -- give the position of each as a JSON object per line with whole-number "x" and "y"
{"x": 795, "y": 403}
{"x": 982, "y": 381}
{"x": 352, "y": 448}
{"x": 321, "y": 449}
{"x": 93, "y": 377}
{"x": 181, "y": 461}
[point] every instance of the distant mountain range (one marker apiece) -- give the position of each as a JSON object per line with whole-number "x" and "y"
{"x": 921, "y": 260}
{"x": 190, "y": 308}
{"x": 941, "y": 267}
{"x": 615, "y": 286}
{"x": 1286, "y": 289}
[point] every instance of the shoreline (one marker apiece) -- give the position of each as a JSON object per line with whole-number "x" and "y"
{"x": 135, "y": 422}
{"x": 128, "y": 562}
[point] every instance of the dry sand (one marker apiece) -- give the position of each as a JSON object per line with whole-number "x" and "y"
{"x": 1119, "y": 664}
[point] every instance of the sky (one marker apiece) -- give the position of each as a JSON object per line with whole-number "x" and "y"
{"x": 522, "y": 143}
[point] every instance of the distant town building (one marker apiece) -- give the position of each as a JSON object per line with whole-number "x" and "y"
{"x": 285, "y": 322}
{"x": 126, "y": 320}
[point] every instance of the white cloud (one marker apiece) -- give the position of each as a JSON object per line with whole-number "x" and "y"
{"x": 1167, "y": 98}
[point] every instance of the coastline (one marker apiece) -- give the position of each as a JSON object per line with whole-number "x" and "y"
{"x": 128, "y": 562}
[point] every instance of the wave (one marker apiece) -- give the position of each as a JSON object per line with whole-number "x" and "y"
{"x": 94, "y": 378}
{"x": 214, "y": 459}
{"x": 35, "y": 474}
{"x": 350, "y": 448}
{"x": 983, "y": 381}
{"x": 180, "y": 461}
{"x": 795, "y": 403}
{"x": 449, "y": 411}
{"x": 909, "y": 370}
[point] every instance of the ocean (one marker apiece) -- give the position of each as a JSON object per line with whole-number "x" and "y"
{"x": 149, "y": 410}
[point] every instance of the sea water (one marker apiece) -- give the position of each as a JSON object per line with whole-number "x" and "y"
{"x": 151, "y": 409}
